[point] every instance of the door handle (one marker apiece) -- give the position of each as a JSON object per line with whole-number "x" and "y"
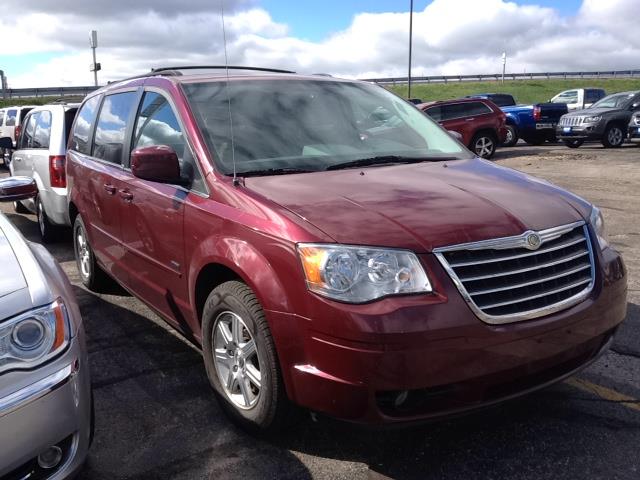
{"x": 17, "y": 159}
{"x": 110, "y": 189}
{"x": 126, "y": 195}
{"x": 469, "y": 119}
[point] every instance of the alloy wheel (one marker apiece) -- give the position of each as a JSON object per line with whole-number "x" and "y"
{"x": 615, "y": 136}
{"x": 236, "y": 360}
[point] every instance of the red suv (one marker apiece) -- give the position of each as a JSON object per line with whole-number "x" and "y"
{"x": 480, "y": 122}
{"x": 328, "y": 245}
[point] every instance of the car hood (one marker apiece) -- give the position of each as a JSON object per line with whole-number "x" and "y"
{"x": 592, "y": 112}
{"x": 422, "y": 206}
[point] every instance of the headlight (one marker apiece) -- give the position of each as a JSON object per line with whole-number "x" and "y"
{"x": 636, "y": 119}
{"x": 33, "y": 337}
{"x": 594, "y": 119}
{"x": 361, "y": 274}
{"x": 597, "y": 221}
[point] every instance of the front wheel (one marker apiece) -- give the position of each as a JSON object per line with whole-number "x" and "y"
{"x": 484, "y": 145}
{"x": 241, "y": 359}
{"x": 573, "y": 143}
{"x": 613, "y": 136}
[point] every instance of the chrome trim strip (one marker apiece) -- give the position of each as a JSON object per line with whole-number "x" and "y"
{"x": 537, "y": 295}
{"x": 545, "y": 235}
{"x": 528, "y": 269}
{"x": 518, "y": 241}
{"x": 35, "y": 391}
{"x": 533, "y": 282}
{"x": 522, "y": 255}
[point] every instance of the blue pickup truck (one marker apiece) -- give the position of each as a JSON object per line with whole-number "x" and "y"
{"x": 535, "y": 124}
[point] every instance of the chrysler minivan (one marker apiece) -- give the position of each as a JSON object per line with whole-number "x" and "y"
{"x": 327, "y": 245}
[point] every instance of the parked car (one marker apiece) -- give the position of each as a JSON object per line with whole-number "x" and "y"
{"x": 42, "y": 147}
{"x": 45, "y": 393}
{"x": 579, "y": 98}
{"x": 480, "y": 122}
{"x": 500, "y": 99}
{"x": 606, "y": 120}
{"x": 12, "y": 119}
{"x": 634, "y": 128}
{"x": 364, "y": 266}
{"x": 535, "y": 124}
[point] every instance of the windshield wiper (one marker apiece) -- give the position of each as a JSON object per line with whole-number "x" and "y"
{"x": 274, "y": 171}
{"x": 386, "y": 160}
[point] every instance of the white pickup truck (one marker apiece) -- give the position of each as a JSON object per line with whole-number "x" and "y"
{"x": 579, "y": 98}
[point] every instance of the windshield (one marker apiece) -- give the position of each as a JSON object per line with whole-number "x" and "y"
{"x": 304, "y": 125}
{"x": 617, "y": 100}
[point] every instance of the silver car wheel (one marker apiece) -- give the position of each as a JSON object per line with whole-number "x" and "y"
{"x": 84, "y": 255}
{"x": 236, "y": 360}
{"x": 615, "y": 136}
{"x": 483, "y": 146}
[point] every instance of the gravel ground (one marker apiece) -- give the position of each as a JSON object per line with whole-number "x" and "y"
{"x": 156, "y": 417}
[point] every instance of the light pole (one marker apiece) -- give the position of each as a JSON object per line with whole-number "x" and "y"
{"x": 410, "y": 44}
{"x": 93, "y": 41}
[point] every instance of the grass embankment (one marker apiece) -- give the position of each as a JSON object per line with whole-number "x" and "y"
{"x": 525, "y": 91}
{"x": 12, "y": 102}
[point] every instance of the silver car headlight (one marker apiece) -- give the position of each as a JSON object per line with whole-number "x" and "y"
{"x": 594, "y": 119}
{"x": 636, "y": 119}
{"x": 597, "y": 222}
{"x": 34, "y": 337}
{"x": 360, "y": 274}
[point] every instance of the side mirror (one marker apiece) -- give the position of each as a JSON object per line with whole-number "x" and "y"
{"x": 17, "y": 188}
{"x": 6, "y": 142}
{"x": 158, "y": 163}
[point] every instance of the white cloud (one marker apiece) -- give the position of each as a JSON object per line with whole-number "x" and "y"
{"x": 450, "y": 37}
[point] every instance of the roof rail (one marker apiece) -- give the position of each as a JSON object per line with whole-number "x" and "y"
{"x": 176, "y": 70}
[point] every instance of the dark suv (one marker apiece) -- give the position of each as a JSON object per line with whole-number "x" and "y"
{"x": 606, "y": 121}
{"x": 327, "y": 244}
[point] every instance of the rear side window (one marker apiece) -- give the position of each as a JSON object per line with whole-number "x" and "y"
{"x": 503, "y": 100}
{"x": 11, "y": 118}
{"x": 593, "y": 95}
{"x": 455, "y": 110}
{"x": 26, "y": 139}
{"x": 82, "y": 127}
{"x": 111, "y": 126}
{"x": 69, "y": 115}
{"x": 157, "y": 124}
{"x": 42, "y": 132}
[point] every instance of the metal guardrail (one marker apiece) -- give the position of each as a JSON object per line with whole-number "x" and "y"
{"x": 83, "y": 91}
{"x": 508, "y": 76}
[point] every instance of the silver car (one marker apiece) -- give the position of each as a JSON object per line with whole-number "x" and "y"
{"x": 41, "y": 149}
{"x": 45, "y": 393}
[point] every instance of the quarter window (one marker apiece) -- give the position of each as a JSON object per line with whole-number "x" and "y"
{"x": 42, "y": 132}
{"x": 11, "y": 118}
{"x": 82, "y": 127}
{"x": 26, "y": 139}
{"x": 477, "y": 108}
{"x": 157, "y": 124}
{"x": 111, "y": 126}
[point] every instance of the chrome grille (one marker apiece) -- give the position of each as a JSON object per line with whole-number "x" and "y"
{"x": 507, "y": 280}
{"x": 571, "y": 121}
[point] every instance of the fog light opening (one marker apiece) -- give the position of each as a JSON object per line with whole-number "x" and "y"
{"x": 401, "y": 398}
{"x": 50, "y": 458}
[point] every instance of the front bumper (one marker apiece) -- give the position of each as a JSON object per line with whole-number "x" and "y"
{"x": 581, "y": 132}
{"x": 51, "y": 406}
{"x": 634, "y": 133}
{"x": 434, "y": 360}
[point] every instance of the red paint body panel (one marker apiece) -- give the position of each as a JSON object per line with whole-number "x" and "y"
{"x": 337, "y": 358}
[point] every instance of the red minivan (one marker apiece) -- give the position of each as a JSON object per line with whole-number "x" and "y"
{"x": 328, "y": 245}
{"x": 480, "y": 122}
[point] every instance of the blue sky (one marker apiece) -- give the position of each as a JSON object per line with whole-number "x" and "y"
{"x": 316, "y": 20}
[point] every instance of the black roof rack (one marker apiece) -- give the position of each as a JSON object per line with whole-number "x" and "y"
{"x": 177, "y": 70}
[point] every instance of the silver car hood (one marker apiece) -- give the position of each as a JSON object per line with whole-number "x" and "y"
{"x": 22, "y": 283}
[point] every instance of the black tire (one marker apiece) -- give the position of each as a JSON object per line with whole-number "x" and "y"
{"x": 272, "y": 409}
{"x": 613, "y": 136}
{"x": 483, "y": 144}
{"x": 512, "y": 136}
{"x": 91, "y": 275}
{"x": 48, "y": 231}
{"x": 18, "y": 207}
{"x": 573, "y": 143}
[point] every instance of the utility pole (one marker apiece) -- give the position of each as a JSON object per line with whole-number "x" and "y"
{"x": 3, "y": 84}
{"x": 93, "y": 42}
{"x": 504, "y": 64}
{"x": 410, "y": 45}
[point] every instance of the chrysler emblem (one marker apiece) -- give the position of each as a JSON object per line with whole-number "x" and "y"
{"x": 533, "y": 241}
